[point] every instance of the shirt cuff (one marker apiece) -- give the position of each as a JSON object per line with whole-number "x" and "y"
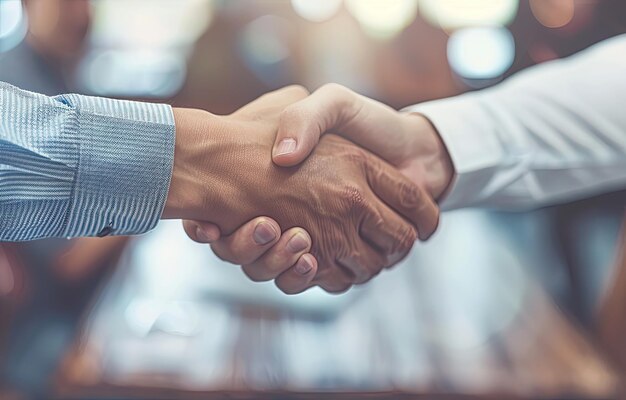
{"x": 126, "y": 155}
{"x": 466, "y": 129}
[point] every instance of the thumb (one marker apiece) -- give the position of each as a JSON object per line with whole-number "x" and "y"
{"x": 302, "y": 123}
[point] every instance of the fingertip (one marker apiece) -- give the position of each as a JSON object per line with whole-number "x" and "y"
{"x": 265, "y": 231}
{"x": 298, "y": 278}
{"x": 306, "y": 265}
{"x": 299, "y": 241}
{"x": 434, "y": 225}
{"x": 208, "y": 233}
{"x": 293, "y": 158}
{"x": 249, "y": 242}
{"x": 202, "y": 232}
{"x": 431, "y": 223}
{"x": 286, "y": 160}
{"x": 289, "y": 152}
{"x": 285, "y": 146}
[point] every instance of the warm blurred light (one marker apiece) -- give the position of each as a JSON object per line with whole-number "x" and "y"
{"x": 383, "y": 18}
{"x": 316, "y": 10}
{"x": 264, "y": 46}
{"x": 131, "y": 73}
{"x": 481, "y": 53}
{"x": 265, "y": 40}
{"x": 452, "y": 14}
{"x": 152, "y": 39}
{"x": 12, "y": 24}
{"x": 553, "y": 13}
{"x": 150, "y": 23}
{"x": 10, "y": 16}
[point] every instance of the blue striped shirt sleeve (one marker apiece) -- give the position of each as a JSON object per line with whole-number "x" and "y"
{"x": 75, "y": 165}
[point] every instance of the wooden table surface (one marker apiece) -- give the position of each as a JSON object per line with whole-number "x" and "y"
{"x": 395, "y": 339}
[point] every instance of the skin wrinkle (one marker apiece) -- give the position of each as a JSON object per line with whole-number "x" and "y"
{"x": 224, "y": 169}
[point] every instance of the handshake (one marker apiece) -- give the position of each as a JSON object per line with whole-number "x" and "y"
{"x": 336, "y": 209}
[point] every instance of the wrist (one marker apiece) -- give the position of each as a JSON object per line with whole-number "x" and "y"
{"x": 195, "y": 129}
{"x": 432, "y": 154}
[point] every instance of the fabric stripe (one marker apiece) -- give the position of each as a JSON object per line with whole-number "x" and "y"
{"x": 71, "y": 165}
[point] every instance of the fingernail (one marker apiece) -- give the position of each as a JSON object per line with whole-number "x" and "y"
{"x": 263, "y": 233}
{"x": 286, "y": 146}
{"x": 297, "y": 243}
{"x": 201, "y": 235}
{"x": 303, "y": 267}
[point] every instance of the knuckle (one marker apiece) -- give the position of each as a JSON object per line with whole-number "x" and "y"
{"x": 252, "y": 273}
{"x": 355, "y": 197}
{"x": 294, "y": 113}
{"x": 289, "y": 290}
{"x": 411, "y": 194}
{"x": 404, "y": 244}
{"x": 406, "y": 240}
{"x": 334, "y": 281}
{"x": 336, "y": 288}
{"x": 245, "y": 259}
{"x": 334, "y": 89}
{"x": 359, "y": 268}
{"x": 430, "y": 217}
{"x": 436, "y": 223}
{"x": 357, "y": 155}
{"x": 371, "y": 268}
{"x": 297, "y": 91}
{"x": 224, "y": 254}
{"x": 372, "y": 275}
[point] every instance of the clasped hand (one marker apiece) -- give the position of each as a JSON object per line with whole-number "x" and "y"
{"x": 334, "y": 218}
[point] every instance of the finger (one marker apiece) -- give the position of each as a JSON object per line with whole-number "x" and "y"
{"x": 404, "y": 196}
{"x": 333, "y": 278}
{"x": 292, "y": 245}
{"x": 298, "y": 278}
{"x": 390, "y": 235}
{"x": 249, "y": 242}
{"x": 273, "y": 102}
{"x": 201, "y": 232}
{"x": 302, "y": 123}
{"x": 363, "y": 265}
{"x": 335, "y": 286}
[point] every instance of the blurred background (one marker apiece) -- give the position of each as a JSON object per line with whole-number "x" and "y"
{"x": 496, "y": 305}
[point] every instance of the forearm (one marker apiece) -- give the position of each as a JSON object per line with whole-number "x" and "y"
{"x": 210, "y": 153}
{"x": 81, "y": 166}
{"x": 552, "y": 133}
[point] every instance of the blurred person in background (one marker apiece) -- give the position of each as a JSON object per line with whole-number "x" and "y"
{"x": 327, "y": 98}
{"x": 62, "y": 274}
{"x": 46, "y": 60}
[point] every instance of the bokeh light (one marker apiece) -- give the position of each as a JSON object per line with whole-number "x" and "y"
{"x": 264, "y": 46}
{"x": 265, "y": 39}
{"x": 553, "y": 13}
{"x": 316, "y": 10}
{"x": 12, "y": 24}
{"x": 126, "y": 73}
{"x": 453, "y": 14}
{"x": 162, "y": 23}
{"x": 481, "y": 52}
{"x": 146, "y": 56}
{"x": 383, "y": 18}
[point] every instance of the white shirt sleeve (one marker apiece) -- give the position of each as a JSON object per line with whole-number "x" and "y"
{"x": 552, "y": 133}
